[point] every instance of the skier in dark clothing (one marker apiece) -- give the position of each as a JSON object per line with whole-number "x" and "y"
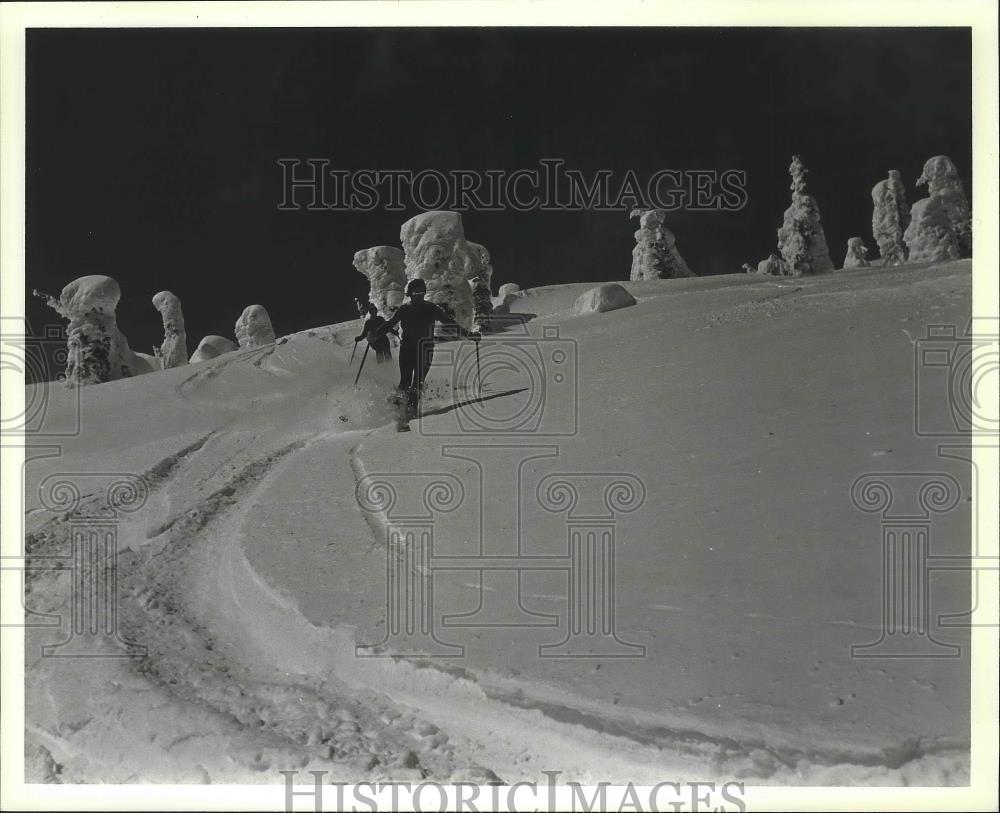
{"x": 416, "y": 346}
{"x": 379, "y": 341}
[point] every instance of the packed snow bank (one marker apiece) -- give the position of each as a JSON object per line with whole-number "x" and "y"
{"x": 607, "y": 297}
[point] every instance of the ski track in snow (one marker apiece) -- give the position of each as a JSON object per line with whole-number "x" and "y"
{"x": 319, "y": 723}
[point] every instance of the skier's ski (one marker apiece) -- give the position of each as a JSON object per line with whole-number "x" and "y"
{"x": 406, "y": 405}
{"x": 399, "y": 402}
{"x": 412, "y": 403}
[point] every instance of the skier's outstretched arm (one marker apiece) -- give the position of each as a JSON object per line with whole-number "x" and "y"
{"x": 385, "y": 327}
{"x": 444, "y": 318}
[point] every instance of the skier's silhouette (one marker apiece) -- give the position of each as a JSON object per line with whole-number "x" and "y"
{"x": 379, "y": 341}
{"x": 416, "y": 345}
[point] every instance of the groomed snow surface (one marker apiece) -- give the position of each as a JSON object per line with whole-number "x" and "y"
{"x": 745, "y": 405}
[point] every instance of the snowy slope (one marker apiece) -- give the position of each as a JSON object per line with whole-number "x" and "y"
{"x": 746, "y": 406}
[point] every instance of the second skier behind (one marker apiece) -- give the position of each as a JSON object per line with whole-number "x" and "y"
{"x": 379, "y": 341}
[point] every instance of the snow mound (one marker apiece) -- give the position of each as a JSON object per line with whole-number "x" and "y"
{"x": 857, "y": 254}
{"x": 607, "y": 297}
{"x": 508, "y": 293}
{"x": 212, "y": 346}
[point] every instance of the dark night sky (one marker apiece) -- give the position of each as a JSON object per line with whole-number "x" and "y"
{"x": 152, "y": 153}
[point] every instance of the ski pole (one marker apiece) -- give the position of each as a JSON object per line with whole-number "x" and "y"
{"x": 355, "y": 350}
{"x": 361, "y": 366}
{"x": 479, "y": 377}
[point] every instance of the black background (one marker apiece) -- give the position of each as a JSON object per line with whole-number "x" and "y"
{"x": 152, "y": 154}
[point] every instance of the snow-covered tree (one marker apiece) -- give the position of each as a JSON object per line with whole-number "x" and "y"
{"x": 890, "y": 217}
{"x": 655, "y": 255}
{"x": 96, "y": 349}
{"x": 253, "y": 328}
{"x": 857, "y": 254}
{"x": 384, "y": 267}
{"x": 801, "y": 240}
{"x": 940, "y": 225}
{"x": 173, "y": 351}
{"x": 480, "y": 282}
{"x": 435, "y": 251}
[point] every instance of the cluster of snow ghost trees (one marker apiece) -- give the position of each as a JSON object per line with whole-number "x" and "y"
{"x": 935, "y": 228}
{"x": 97, "y": 351}
{"x": 458, "y": 272}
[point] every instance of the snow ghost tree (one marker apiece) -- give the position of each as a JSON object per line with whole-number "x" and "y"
{"x": 890, "y": 217}
{"x": 384, "y": 267}
{"x": 857, "y": 253}
{"x": 746, "y": 268}
{"x": 435, "y": 251}
{"x": 173, "y": 351}
{"x": 940, "y": 225}
{"x": 655, "y": 255}
{"x": 773, "y": 265}
{"x": 801, "y": 240}
{"x": 253, "y": 328}
{"x": 479, "y": 282}
{"x": 212, "y": 346}
{"x": 96, "y": 349}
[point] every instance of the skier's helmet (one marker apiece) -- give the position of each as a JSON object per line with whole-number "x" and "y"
{"x": 416, "y": 286}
